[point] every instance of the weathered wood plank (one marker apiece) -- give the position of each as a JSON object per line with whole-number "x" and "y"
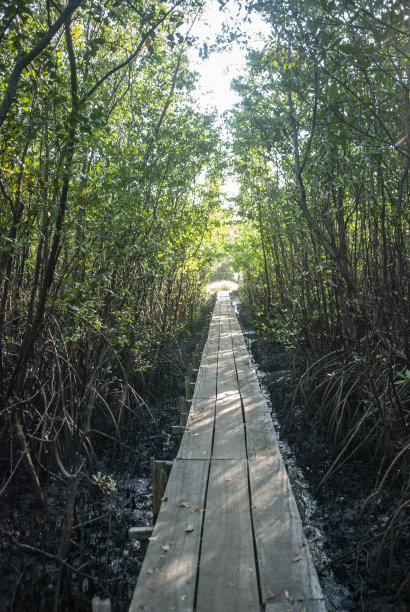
{"x": 227, "y": 381}
{"x": 285, "y": 564}
{"x": 227, "y": 574}
{"x": 229, "y": 440}
{"x": 197, "y": 440}
{"x": 245, "y": 370}
{"x": 260, "y": 431}
{"x": 168, "y": 575}
{"x": 205, "y": 386}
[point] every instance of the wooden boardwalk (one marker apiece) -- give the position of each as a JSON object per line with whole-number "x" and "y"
{"x": 228, "y": 537}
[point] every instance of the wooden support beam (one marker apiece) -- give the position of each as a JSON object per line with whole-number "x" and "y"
{"x": 189, "y": 371}
{"x": 141, "y": 535}
{"x": 196, "y": 358}
{"x": 183, "y": 410}
{"x": 159, "y": 483}
{"x": 188, "y": 388}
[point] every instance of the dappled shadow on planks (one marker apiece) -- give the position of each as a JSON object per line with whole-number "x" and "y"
{"x": 228, "y": 537}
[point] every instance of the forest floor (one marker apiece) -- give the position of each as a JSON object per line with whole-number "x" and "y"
{"x": 107, "y": 564}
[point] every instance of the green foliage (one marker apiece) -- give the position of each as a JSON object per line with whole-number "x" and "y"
{"x": 322, "y": 148}
{"x": 109, "y": 184}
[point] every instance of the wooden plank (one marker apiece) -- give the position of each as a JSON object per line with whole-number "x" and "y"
{"x": 205, "y": 386}
{"x": 245, "y": 371}
{"x": 211, "y": 346}
{"x": 168, "y": 575}
{"x": 198, "y": 437}
{"x": 227, "y": 381}
{"x": 260, "y": 432}
{"x": 261, "y": 440}
{"x": 227, "y": 575}
{"x": 229, "y": 440}
{"x": 285, "y": 564}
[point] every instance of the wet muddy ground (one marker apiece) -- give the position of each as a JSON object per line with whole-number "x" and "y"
{"x": 102, "y": 561}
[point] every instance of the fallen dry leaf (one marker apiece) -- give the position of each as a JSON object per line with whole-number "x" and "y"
{"x": 297, "y": 559}
{"x": 270, "y": 596}
{"x": 166, "y": 547}
{"x": 302, "y": 544}
{"x": 287, "y": 596}
{"x": 183, "y": 505}
{"x": 164, "y": 499}
{"x": 183, "y": 597}
{"x": 189, "y": 528}
{"x": 197, "y": 509}
{"x": 228, "y": 479}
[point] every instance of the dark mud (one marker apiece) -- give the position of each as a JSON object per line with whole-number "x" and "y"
{"x": 105, "y": 562}
{"x": 332, "y": 515}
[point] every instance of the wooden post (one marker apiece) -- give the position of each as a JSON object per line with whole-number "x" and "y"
{"x": 183, "y": 410}
{"x": 204, "y": 336}
{"x": 196, "y": 357}
{"x": 188, "y": 388}
{"x": 159, "y": 483}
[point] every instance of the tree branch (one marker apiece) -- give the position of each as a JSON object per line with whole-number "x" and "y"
{"x": 23, "y": 62}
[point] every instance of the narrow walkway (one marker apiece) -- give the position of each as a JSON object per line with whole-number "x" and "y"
{"x": 228, "y": 537}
